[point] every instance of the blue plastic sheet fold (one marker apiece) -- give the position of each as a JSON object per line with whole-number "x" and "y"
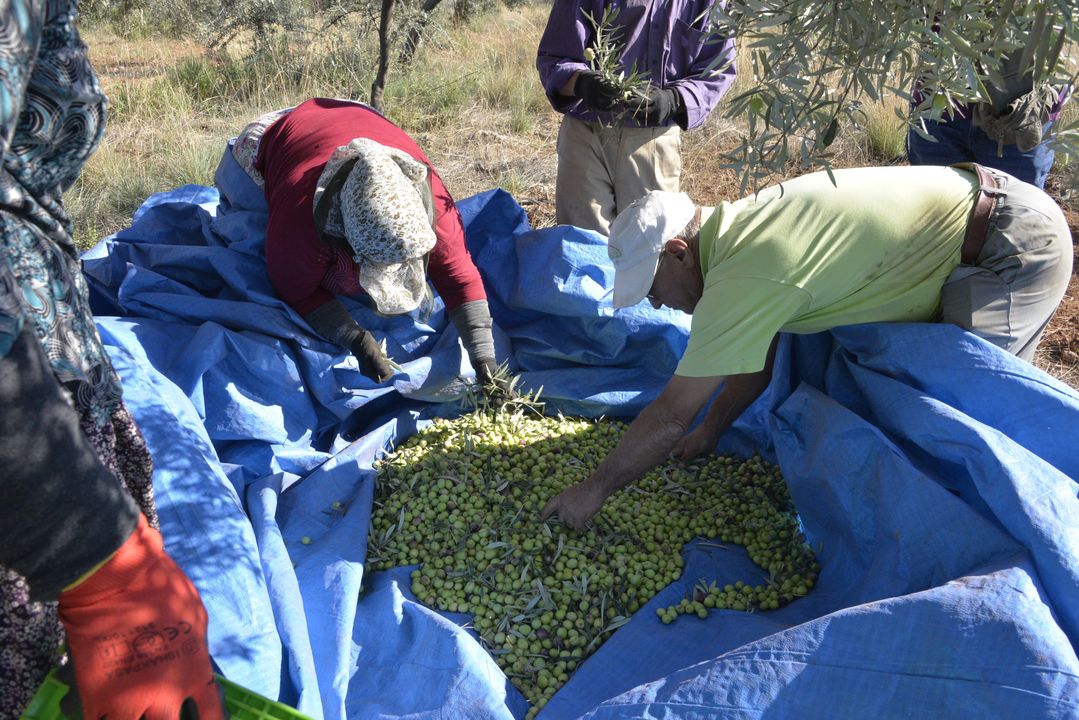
{"x": 934, "y": 475}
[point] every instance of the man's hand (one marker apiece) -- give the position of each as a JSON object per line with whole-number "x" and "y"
{"x": 657, "y": 108}
{"x": 373, "y": 362}
{"x": 701, "y": 441}
{"x": 598, "y": 93}
{"x": 136, "y": 633}
{"x": 575, "y": 505}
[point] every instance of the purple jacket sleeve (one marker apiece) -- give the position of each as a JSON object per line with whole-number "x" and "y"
{"x": 705, "y": 75}
{"x": 561, "y": 49}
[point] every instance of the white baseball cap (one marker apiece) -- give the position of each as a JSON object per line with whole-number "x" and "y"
{"x": 636, "y": 242}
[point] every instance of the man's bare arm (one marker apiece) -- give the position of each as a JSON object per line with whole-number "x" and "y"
{"x": 648, "y": 442}
{"x": 738, "y": 393}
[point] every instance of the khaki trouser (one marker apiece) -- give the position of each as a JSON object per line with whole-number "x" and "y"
{"x": 601, "y": 170}
{"x": 1022, "y": 271}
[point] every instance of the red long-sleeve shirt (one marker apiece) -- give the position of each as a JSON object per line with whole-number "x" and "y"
{"x": 306, "y": 272}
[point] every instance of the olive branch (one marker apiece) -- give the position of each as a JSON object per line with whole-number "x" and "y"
{"x": 604, "y": 54}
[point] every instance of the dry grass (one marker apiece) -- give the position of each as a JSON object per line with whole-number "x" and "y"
{"x": 156, "y": 137}
{"x": 503, "y": 135}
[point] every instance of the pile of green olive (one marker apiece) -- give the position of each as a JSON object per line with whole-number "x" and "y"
{"x": 462, "y": 498}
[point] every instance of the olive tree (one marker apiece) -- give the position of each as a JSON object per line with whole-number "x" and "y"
{"x": 413, "y": 27}
{"x": 815, "y": 63}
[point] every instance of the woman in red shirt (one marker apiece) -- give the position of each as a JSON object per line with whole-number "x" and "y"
{"x": 356, "y": 206}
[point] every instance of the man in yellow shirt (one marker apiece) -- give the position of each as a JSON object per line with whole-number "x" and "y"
{"x": 966, "y": 245}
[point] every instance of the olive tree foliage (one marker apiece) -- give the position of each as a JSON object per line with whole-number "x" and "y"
{"x": 262, "y": 20}
{"x": 412, "y": 27}
{"x": 815, "y": 63}
{"x": 216, "y": 22}
{"x": 166, "y": 17}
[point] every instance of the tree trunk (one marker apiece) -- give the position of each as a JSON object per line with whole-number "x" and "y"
{"x": 415, "y": 33}
{"x": 379, "y": 83}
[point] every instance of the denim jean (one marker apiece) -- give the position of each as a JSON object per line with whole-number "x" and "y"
{"x": 959, "y": 141}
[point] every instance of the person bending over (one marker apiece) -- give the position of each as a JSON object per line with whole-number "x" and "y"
{"x": 964, "y": 244}
{"x": 355, "y": 207}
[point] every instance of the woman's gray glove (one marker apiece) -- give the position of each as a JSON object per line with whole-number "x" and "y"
{"x": 373, "y": 362}
{"x": 486, "y": 370}
{"x": 495, "y": 382}
{"x": 333, "y": 322}
{"x": 473, "y": 323}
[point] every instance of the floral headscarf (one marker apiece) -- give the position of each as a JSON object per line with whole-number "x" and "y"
{"x": 379, "y": 209}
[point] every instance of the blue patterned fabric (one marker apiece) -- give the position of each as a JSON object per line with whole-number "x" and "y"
{"x": 52, "y": 115}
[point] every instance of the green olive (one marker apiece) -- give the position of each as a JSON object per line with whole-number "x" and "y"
{"x": 461, "y": 498}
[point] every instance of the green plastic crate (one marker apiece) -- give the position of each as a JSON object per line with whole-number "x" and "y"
{"x": 241, "y": 703}
{"x": 46, "y": 702}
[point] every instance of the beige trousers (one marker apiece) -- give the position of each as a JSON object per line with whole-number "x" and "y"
{"x": 1022, "y": 272}
{"x": 601, "y": 170}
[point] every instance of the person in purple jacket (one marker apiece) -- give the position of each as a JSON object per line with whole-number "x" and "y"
{"x": 610, "y": 151}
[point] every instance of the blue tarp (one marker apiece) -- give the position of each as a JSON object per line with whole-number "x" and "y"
{"x": 933, "y": 473}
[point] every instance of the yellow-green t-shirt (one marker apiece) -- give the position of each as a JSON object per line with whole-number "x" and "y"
{"x": 808, "y": 255}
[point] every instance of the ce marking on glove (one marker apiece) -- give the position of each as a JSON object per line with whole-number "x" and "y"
{"x": 153, "y": 640}
{"x": 149, "y": 640}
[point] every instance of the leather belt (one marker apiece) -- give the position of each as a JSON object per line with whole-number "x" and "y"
{"x": 978, "y": 224}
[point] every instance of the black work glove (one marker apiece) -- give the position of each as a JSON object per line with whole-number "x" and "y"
{"x": 657, "y": 108}
{"x": 598, "y": 93}
{"x": 373, "y": 362}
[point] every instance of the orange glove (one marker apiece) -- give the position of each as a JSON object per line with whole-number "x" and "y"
{"x": 136, "y": 632}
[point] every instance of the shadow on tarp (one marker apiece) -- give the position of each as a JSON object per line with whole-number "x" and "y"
{"x": 932, "y": 471}
{"x": 204, "y": 526}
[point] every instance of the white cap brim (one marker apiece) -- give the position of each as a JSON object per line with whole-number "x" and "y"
{"x": 638, "y": 236}
{"x": 631, "y": 285}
